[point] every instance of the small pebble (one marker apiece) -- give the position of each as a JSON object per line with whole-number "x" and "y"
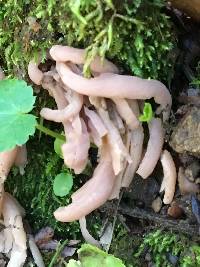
{"x": 172, "y": 259}
{"x": 185, "y": 185}
{"x": 148, "y": 257}
{"x": 192, "y": 92}
{"x": 189, "y": 175}
{"x": 156, "y": 204}
{"x": 197, "y": 181}
{"x": 175, "y": 211}
{"x": 139, "y": 203}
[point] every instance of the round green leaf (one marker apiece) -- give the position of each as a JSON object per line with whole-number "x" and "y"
{"x": 16, "y": 99}
{"x": 57, "y": 147}
{"x": 62, "y": 184}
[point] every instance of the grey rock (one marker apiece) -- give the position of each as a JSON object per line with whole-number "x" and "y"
{"x": 157, "y": 204}
{"x": 186, "y": 135}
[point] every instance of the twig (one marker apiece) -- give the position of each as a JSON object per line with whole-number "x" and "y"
{"x": 179, "y": 226}
{"x": 49, "y": 132}
{"x": 115, "y": 217}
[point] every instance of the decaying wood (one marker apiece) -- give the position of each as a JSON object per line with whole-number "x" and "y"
{"x": 164, "y": 222}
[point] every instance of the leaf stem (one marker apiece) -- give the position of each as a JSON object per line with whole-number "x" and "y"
{"x": 50, "y": 132}
{"x": 58, "y": 251}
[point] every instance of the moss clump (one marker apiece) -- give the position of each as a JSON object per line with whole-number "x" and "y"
{"x": 123, "y": 245}
{"x": 192, "y": 258}
{"x": 196, "y": 80}
{"x": 163, "y": 245}
{"x": 135, "y": 34}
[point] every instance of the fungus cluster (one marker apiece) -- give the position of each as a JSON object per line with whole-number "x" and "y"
{"x": 104, "y": 110}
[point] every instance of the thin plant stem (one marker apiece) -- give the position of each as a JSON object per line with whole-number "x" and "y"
{"x": 50, "y": 132}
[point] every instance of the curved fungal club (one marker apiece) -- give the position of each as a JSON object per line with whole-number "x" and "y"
{"x": 103, "y": 109}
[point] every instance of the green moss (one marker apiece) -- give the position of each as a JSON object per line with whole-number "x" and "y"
{"x": 196, "y": 80}
{"x": 34, "y": 190}
{"x": 123, "y": 245}
{"x": 135, "y": 34}
{"x": 192, "y": 258}
{"x": 162, "y": 244}
{"x": 132, "y": 249}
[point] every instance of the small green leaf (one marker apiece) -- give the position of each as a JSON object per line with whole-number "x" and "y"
{"x": 147, "y": 113}
{"x": 16, "y": 99}
{"x": 57, "y": 147}
{"x": 91, "y": 256}
{"x": 62, "y": 185}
